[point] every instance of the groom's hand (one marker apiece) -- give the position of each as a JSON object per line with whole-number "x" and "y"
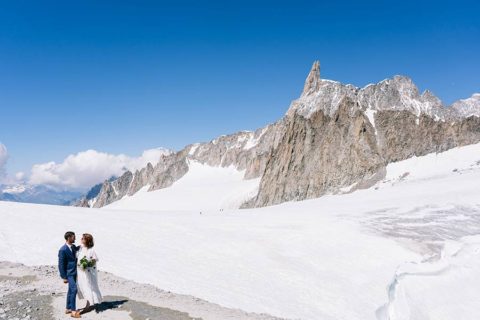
{"x": 65, "y": 281}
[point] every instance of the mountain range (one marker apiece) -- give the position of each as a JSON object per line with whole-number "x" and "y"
{"x": 43, "y": 194}
{"x": 334, "y": 137}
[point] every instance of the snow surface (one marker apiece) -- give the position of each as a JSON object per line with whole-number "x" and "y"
{"x": 193, "y": 149}
{"x": 253, "y": 139}
{"x": 407, "y": 248}
{"x": 468, "y": 107}
{"x": 202, "y": 188}
{"x": 436, "y": 165}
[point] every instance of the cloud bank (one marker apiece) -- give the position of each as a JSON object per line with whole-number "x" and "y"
{"x": 87, "y": 168}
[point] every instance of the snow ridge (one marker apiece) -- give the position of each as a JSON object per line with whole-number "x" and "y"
{"x": 398, "y": 93}
{"x": 468, "y": 107}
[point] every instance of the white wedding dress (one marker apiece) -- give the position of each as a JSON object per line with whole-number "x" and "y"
{"x": 87, "y": 282}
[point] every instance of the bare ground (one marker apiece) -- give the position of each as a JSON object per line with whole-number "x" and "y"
{"x": 37, "y": 293}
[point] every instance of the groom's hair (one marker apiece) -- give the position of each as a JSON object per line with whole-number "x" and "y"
{"x": 68, "y": 234}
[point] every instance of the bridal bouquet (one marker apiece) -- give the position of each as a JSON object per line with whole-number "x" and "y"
{"x": 86, "y": 263}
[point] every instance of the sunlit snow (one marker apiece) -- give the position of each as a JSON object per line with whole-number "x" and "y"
{"x": 407, "y": 248}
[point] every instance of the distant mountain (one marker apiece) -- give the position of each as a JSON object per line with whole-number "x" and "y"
{"x": 42, "y": 194}
{"x": 90, "y": 195}
{"x": 333, "y": 136}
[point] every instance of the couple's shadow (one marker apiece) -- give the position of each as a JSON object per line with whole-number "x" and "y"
{"x": 105, "y": 306}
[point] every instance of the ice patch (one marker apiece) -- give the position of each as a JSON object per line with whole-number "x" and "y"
{"x": 193, "y": 149}
{"x": 253, "y": 141}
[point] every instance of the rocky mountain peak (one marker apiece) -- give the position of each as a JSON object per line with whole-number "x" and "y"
{"x": 397, "y": 93}
{"x": 400, "y": 93}
{"x": 334, "y": 136}
{"x": 312, "y": 83}
{"x": 468, "y": 107}
{"x": 428, "y": 95}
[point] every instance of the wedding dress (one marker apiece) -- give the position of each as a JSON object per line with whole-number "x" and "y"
{"x": 87, "y": 282}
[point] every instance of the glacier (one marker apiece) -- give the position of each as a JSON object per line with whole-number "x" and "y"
{"x": 408, "y": 247}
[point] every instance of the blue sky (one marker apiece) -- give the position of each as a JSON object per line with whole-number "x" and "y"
{"x": 125, "y": 76}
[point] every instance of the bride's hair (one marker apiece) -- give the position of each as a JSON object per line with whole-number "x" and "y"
{"x": 88, "y": 240}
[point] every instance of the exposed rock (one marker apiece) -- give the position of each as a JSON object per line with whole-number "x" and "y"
{"x": 246, "y": 150}
{"x": 37, "y": 293}
{"x": 140, "y": 179}
{"x": 319, "y": 154}
{"x": 394, "y": 121}
{"x": 169, "y": 170}
{"x": 333, "y": 136}
{"x": 113, "y": 191}
{"x": 402, "y": 135}
{"x": 312, "y": 83}
{"x": 83, "y": 202}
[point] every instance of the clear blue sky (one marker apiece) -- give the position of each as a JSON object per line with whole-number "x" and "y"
{"x": 124, "y": 76}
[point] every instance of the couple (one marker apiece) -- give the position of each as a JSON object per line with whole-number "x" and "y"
{"x": 77, "y": 266}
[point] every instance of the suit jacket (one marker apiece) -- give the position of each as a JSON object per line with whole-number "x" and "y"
{"x": 67, "y": 261}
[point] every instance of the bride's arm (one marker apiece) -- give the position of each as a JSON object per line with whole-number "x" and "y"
{"x": 93, "y": 255}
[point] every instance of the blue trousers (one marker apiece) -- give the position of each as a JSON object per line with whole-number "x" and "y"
{"x": 72, "y": 293}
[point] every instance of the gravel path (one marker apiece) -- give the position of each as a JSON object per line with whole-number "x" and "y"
{"x": 37, "y": 293}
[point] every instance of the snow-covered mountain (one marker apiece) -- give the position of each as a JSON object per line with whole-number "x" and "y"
{"x": 468, "y": 107}
{"x": 333, "y": 136}
{"x": 43, "y": 194}
{"x": 408, "y": 247}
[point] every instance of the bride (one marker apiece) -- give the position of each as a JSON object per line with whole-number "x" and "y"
{"x": 87, "y": 274}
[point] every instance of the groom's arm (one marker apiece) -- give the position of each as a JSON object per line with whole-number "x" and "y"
{"x": 62, "y": 265}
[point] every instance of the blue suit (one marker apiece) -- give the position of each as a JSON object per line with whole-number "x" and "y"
{"x": 67, "y": 266}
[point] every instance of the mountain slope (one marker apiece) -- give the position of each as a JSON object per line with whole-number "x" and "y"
{"x": 202, "y": 188}
{"x": 338, "y": 135}
{"x": 333, "y": 136}
{"x": 408, "y": 247}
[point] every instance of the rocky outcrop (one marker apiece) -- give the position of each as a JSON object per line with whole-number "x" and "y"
{"x": 312, "y": 83}
{"x": 340, "y": 135}
{"x": 333, "y": 136}
{"x": 82, "y": 202}
{"x": 113, "y": 191}
{"x": 402, "y": 135}
{"x": 246, "y": 150}
{"x": 320, "y": 153}
{"x": 168, "y": 170}
{"x": 140, "y": 179}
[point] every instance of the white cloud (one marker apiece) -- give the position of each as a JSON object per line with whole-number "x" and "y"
{"x": 3, "y": 160}
{"x": 19, "y": 176}
{"x": 87, "y": 168}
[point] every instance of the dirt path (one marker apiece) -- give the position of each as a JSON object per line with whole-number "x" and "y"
{"x": 37, "y": 293}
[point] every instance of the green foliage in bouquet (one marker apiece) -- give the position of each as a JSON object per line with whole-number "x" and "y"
{"x": 85, "y": 263}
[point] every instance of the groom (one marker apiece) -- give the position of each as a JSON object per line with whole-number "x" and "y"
{"x": 67, "y": 265}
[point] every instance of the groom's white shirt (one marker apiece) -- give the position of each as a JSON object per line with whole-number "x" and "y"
{"x": 69, "y": 246}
